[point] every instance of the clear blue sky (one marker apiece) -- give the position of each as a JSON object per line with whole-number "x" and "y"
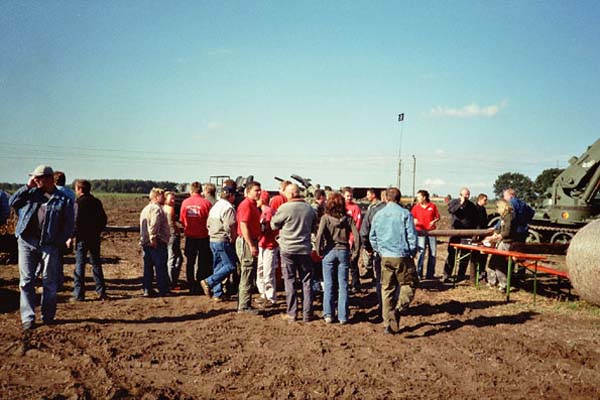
{"x": 183, "y": 90}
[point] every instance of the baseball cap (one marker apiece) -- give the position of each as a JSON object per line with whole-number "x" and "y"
{"x": 42, "y": 170}
{"x": 228, "y": 189}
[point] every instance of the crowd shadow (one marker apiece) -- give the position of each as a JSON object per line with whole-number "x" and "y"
{"x": 9, "y": 300}
{"x": 478, "y": 322}
{"x": 70, "y": 260}
{"x": 151, "y": 320}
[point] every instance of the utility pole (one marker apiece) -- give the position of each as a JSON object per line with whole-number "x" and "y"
{"x": 399, "y": 182}
{"x": 414, "y": 174}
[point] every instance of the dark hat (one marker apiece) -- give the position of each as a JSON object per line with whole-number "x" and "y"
{"x": 42, "y": 170}
{"x": 228, "y": 189}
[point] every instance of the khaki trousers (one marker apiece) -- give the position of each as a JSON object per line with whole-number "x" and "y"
{"x": 397, "y": 273}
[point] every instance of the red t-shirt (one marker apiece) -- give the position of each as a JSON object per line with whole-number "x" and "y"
{"x": 249, "y": 213}
{"x": 424, "y": 216}
{"x": 193, "y": 216}
{"x": 353, "y": 210}
{"x": 267, "y": 240}
{"x": 277, "y": 201}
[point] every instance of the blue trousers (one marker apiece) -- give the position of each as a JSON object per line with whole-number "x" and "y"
{"x": 224, "y": 263}
{"x": 424, "y": 242}
{"x": 91, "y": 246}
{"x": 155, "y": 258}
{"x": 336, "y": 259}
{"x": 30, "y": 255}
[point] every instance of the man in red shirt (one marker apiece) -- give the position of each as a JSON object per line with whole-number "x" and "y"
{"x": 193, "y": 217}
{"x": 280, "y": 198}
{"x": 246, "y": 245}
{"x": 353, "y": 210}
{"x": 426, "y": 215}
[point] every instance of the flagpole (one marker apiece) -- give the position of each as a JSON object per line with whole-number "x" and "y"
{"x": 399, "y": 180}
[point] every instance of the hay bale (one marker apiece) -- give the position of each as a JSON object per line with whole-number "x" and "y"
{"x": 583, "y": 262}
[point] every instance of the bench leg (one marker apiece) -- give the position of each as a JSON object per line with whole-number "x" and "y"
{"x": 508, "y": 276}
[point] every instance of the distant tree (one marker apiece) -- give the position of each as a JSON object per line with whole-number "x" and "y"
{"x": 545, "y": 180}
{"x": 521, "y": 183}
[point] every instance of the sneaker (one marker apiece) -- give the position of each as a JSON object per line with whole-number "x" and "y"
{"x": 103, "y": 297}
{"x": 328, "y": 320}
{"x": 343, "y": 322}
{"x": 251, "y": 311}
{"x": 149, "y": 293}
{"x": 29, "y": 326}
{"x": 75, "y": 300}
{"x": 288, "y": 318}
{"x": 218, "y": 299}
{"x": 308, "y": 318}
{"x": 205, "y": 288}
{"x": 260, "y": 300}
{"x": 388, "y": 331}
{"x": 269, "y": 304}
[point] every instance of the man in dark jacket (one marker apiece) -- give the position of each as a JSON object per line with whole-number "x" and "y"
{"x": 89, "y": 224}
{"x": 464, "y": 216}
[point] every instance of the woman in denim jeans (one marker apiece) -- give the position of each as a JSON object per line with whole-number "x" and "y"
{"x": 336, "y": 231}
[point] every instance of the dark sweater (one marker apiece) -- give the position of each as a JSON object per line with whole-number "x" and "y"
{"x": 334, "y": 233}
{"x": 91, "y": 218}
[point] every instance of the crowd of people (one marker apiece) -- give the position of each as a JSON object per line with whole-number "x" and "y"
{"x": 234, "y": 244}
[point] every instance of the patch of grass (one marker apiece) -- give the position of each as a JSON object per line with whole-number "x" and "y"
{"x": 579, "y": 306}
{"x": 102, "y": 195}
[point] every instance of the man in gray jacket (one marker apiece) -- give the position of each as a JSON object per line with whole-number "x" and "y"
{"x": 296, "y": 220}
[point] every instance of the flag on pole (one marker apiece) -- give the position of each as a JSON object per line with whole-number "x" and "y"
{"x": 400, "y": 117}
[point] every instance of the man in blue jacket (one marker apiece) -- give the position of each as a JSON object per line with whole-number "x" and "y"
{"x": 394, "y": 237}
{"x": 522, "y": 213}
{"x": 45, "y": 223}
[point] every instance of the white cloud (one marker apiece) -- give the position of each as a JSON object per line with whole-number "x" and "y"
{"x": 439, "y": 152}
{"x": 468, "y": 111}
{"x": 214, "y": 125}
{"x": 434, "y": 182}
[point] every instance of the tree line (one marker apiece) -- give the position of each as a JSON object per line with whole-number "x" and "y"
{"x": 526, "y": 188}
{"x": 113, "y": 185}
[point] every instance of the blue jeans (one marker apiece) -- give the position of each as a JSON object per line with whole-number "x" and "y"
{"x": 340, "y": 259}
{"x": 424, "y": 242}
{"x": 155, "y": 258}
{"x": 175, "y": 258}
{"x": 224, "y": 263}
{"x": 81, "y": 251}
{"x": 30, "y": 255}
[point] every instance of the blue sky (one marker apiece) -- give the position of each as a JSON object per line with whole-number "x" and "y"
{"x": 183, "y": 90}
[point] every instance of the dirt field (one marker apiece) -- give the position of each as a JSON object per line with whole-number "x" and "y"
{"x": 455, "y": 343}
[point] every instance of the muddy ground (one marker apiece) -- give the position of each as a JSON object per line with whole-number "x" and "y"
{"x": 458, "y": 342}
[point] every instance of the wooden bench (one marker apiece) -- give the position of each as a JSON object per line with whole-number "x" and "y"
{"x": 511, "y": 256}
{"x": 535, "y": 267}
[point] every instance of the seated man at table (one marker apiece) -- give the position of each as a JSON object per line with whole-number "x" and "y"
{"x": 503, "y": 236}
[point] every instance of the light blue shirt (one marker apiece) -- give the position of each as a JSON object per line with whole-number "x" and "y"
{"x": 393, "y": 232}
{"x": 68, "y": 192}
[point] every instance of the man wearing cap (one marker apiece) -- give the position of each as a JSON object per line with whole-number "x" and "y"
{"x": 45, "y": 222}
{"x": 222, "y": 231}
